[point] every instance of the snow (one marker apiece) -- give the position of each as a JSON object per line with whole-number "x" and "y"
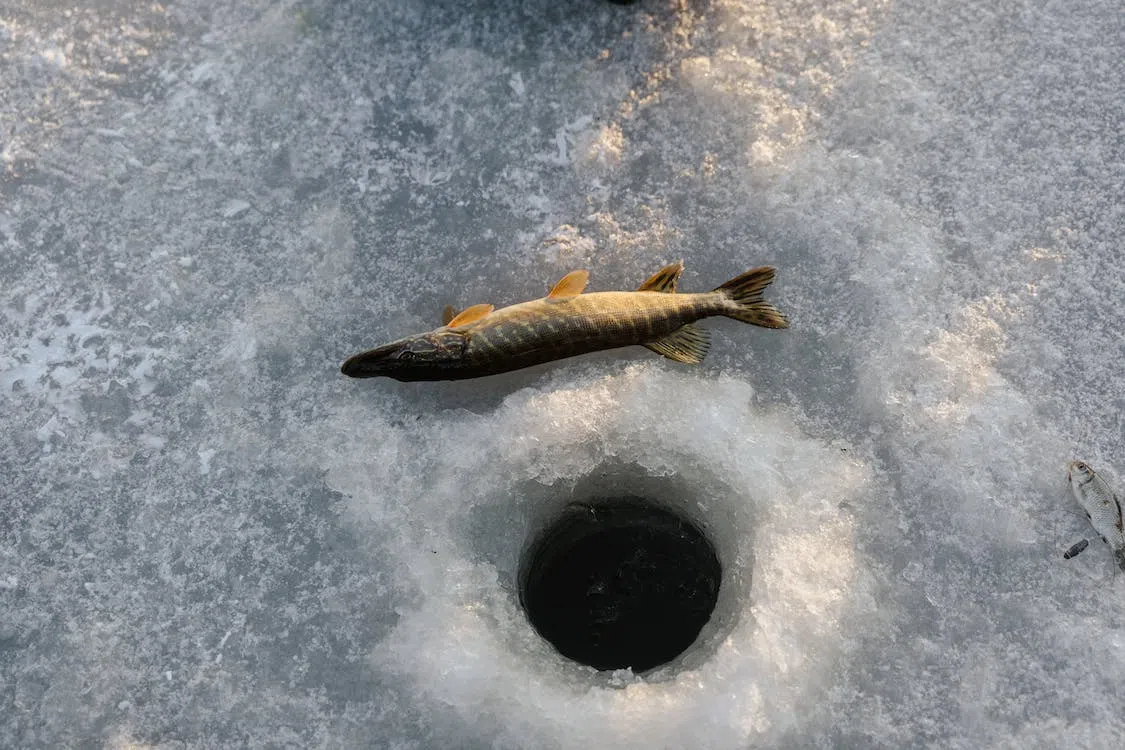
{"x": 210, "y": 538}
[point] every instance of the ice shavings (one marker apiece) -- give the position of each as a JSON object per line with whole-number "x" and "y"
{"x": 790, "y": 572}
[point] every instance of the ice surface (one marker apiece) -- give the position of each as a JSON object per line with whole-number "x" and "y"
{"x": 209, "y": 538}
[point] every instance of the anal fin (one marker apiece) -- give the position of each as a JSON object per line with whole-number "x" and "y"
{"x": 688, "y": 344}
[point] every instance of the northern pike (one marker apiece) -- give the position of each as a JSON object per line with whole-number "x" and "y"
{"x": 1101, "y": 506}
{"x": 482, "y": 340}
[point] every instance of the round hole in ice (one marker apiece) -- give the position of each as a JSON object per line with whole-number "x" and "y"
{"x": 620, "y": 583}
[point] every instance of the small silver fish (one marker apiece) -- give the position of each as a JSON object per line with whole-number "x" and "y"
{"x": 1101, "y": 506}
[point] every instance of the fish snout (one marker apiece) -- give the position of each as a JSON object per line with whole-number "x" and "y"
{"x": 1079, "y": 469}
{"x": 372, "y": 363}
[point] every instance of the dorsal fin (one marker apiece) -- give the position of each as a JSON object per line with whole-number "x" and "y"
{"x": 664, "y": 280}
{"x": 448, "y": 314}
{"x": 570, "y": 285}
{"x": 469, "y": 315}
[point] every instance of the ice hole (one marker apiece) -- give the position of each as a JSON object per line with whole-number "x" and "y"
{"x": 623, "y": 582}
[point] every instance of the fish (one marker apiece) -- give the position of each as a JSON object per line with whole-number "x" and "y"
{"x": 1101, "y": 505}
{"x": 482, "y": 340}
{"x": 1076, "y": 549}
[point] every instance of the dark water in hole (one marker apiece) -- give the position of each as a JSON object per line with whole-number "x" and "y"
{"x": 620, "y": 583}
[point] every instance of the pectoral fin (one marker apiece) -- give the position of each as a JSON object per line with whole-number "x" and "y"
{"x": 570, "y": 285}
{"x": 448, "y": 314}
{"x": 687, "y": 344}
{"x": 664, "y": 280}
{"x": 470, "y": 315}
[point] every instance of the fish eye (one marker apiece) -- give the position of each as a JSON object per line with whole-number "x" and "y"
{"x": 1081, "y": 466}
{"x": 407, "y": 355}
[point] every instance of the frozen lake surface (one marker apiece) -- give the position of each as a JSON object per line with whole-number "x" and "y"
{"x": 210, "y": 538}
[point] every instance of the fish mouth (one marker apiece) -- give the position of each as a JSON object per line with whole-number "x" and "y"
{"x": 370, "y": 364}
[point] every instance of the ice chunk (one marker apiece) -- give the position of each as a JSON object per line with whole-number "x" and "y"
{"x": 235, "y": 208}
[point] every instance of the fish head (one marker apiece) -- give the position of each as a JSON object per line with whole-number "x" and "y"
{"x": 1080, "y": 472}
{"x": 426, "y": 356}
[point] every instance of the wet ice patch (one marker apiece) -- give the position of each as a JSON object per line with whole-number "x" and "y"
{"x": 81, "y": 376}
{"x": 50, "y": 345}
{"x": 53, "y": 348}
{"x": 768, "y": 496}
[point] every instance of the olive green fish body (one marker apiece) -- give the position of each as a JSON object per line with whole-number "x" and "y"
{"x": 544, "y": 330}
{"x": 483, "y": 341}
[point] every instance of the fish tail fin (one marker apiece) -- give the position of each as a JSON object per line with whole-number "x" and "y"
{"x": 745, "y": 291}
